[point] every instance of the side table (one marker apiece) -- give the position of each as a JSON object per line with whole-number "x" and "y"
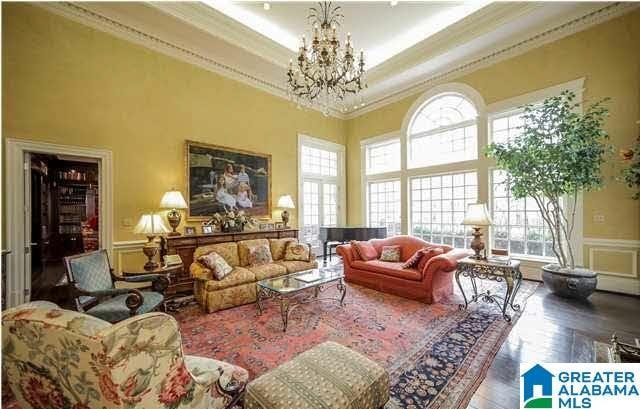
{"x": 507, "y": 272}
{"x": 173, "y": 301}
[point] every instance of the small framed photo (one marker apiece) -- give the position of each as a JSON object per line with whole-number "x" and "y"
{"x": 279, "y": 225}
{"x": 207, "y": 229}
{"x": 189, "y": 230}
{"x": 266, "y": 226}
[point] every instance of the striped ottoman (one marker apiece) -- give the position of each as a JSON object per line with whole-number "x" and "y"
{"x": 328, "y": 376}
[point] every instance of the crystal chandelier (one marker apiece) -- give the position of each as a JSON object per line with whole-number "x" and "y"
{"x": 325, "y": 73}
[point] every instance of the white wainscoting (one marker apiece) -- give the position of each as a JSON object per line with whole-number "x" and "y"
{"x": 627, "y": 282}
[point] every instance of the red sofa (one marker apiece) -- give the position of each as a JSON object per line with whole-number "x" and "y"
{"x": 430, "y": 285}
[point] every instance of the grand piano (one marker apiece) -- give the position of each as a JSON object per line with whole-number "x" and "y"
{"x": 346, "y": 234}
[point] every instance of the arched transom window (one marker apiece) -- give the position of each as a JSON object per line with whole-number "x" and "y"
{"x": 443, "y": 130}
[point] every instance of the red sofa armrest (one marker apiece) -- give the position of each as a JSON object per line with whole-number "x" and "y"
{"x": 445, "y": 262}
{"x": 344, "y": 251}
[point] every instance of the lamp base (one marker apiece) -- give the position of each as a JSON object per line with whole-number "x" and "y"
{"x": 150, "y": 250}
{"x": 174, "y": 217}
{"x": 285, "y": 218}
{"x": 477, "y": 245}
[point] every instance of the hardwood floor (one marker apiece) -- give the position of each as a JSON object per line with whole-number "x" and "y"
{"x": 553, "y": 329}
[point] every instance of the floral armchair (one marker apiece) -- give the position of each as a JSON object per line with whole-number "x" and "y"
{"x": 60, "y": 359}
{"x": 92, "y": 280}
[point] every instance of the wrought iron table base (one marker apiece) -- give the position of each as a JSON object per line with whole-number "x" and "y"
{"x": 288, "y": 302}
{"x": 511, "y": 276}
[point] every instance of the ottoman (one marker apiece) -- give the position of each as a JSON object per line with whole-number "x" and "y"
{"x": 328, "y": 376}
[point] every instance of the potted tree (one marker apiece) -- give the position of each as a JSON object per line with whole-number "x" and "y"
{"x": 559, "y": 154}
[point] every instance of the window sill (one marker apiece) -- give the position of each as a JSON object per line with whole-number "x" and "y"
{"x": 534, "y": 259}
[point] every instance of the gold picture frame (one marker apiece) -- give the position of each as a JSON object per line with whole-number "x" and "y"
{"x": 219, "y": 176}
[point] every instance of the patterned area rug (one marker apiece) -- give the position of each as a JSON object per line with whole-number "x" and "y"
{"x": 437, "y": 355}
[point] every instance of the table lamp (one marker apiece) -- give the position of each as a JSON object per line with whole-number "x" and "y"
{"x": 150, "y": 225}
{"x": 285, "y": 202}
{"x": 173, "y": 200}
{"x": 477, "y": 216}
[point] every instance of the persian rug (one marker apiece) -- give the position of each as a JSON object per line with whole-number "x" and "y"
{"x": 437, "y": 355}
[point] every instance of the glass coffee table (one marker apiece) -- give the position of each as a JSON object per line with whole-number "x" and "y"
{"x": 291, "y": 290}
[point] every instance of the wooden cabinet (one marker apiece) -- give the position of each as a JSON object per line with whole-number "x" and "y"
{"x": 184, "y": 246}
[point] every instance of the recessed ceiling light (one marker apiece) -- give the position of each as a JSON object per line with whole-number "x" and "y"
{"x": 267, "y": 6}
{"x": 394, "y": 3}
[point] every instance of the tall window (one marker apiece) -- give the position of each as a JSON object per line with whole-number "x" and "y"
{"x": 321, "y": 192}
{"x": 517, "y": 223}
{"x": 506, "y": 127}
{"x": 383, "y": 157}
{"x": 384, "y": 206}
{"x": 443, "y": 172}
{"x": 443, "y": 130}
{"x": 438, "y": 205}
{"x": 319, "y": 161}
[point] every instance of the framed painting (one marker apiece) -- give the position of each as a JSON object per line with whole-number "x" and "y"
{"x": 221, "y": 178}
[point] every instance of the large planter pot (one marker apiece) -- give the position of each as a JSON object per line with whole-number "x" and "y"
{"x": 577, "y": 283}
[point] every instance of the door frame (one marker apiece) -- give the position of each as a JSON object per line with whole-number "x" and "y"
{"x": 340, "y": 179}
{"x": 16, "y": 207}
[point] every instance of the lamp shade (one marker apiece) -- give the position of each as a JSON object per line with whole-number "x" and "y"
{"x": 150, "y": 224}
{"x": 286, "y": 202}
{"x": 477, "y": 215}
{"x": 173, "y": 200}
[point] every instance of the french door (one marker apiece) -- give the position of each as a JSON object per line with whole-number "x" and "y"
{"x": 320, "y": 207}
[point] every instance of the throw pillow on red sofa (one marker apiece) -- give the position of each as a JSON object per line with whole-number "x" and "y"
{"x": 428, "y": 254}
{"x": 364, "y": 250}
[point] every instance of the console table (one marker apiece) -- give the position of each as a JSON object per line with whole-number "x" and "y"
{"x": 508, "y": 273}
{"x": 184, "y": 246}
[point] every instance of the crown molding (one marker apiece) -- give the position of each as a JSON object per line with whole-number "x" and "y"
{"x": 220, "y": 25}
{"x": 233, "y": 33}
{"x": 85, "y": 16}
{"x": 518, "y": 47}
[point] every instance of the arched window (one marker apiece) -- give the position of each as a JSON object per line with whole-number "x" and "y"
{"x": 443, "y": 130}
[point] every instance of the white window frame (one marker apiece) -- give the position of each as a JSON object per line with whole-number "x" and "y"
{"x": 372, "y": 145}
{"x": 514, "y": 105}
{"x": 451, "y": 89}
{"x": 367, "y": 197}
{"x": 410, "y": 198}
{"x": 339, "y": 180}
{"x": 481, "y": 165}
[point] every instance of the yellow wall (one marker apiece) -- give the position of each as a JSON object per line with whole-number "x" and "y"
{"x": 66, "y": 83}
{"x": 608, "y": 57}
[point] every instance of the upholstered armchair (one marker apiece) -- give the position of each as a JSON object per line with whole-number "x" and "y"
{"x": 91, "y": 281}
{"x": 54, "y": 358}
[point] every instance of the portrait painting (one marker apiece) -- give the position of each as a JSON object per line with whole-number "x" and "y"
{"x": 222, "y": 179}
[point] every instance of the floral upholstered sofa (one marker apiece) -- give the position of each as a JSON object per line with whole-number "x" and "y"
{"x": 60, "y": 359}
{"x": 239, "y": 286}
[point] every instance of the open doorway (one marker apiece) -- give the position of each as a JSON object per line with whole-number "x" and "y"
{"x": 59, "y": 202}
{"x": 65, "y": 210}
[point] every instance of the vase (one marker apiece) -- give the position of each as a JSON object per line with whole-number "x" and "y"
{"x": 578, "y": 283}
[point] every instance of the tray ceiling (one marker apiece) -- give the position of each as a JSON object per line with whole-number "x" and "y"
{"x": 408, "y": 47}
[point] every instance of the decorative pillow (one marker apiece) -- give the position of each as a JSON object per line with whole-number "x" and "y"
{"x": 428, "y": 254}
{"x": 414, "y": 260}
{"x": 390, "y": 253}
{"x": 278, "y": 247}
{"x": 216, "y": 263}
{"x": 297, "y": 252}
{"x": 365, "y": 250}
{"x": 259, "y": 255}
